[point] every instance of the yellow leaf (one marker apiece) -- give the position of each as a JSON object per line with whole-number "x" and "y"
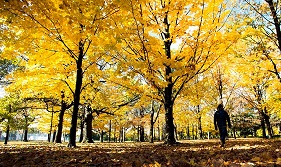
{"x": 255, "y": 159}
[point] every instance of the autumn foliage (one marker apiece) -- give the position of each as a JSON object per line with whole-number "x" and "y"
{"x": 140, "y": 70}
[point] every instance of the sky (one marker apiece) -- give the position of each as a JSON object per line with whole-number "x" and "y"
{"x": 2, "y": 92}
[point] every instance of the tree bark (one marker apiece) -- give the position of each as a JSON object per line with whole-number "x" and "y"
{"x": 25, "y": 129}
{"x": 141, "y": 133}
{"x": 267, "y": 123}
{"x": 82, "y": 124}
{"x": 88, "y": 123}
{"x": 151, "y": 127}
{"x": 200, "y": 127}
{"x": 79, "y": 78}
{"x": 60, "y": 124}
{"x": 263, "y": 128}
{"x": 109, "y": 132}
{"x": 51, "y": 127}
{"x": 25, "y": 135}
{"x": 7, "y": 134}
{"x": 188, "y": 132}
{"x": 168, "y": 91}
{"x": 54, "y": 136}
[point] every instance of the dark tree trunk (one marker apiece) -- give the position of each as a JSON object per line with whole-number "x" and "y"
{"x": 159, "y": 131}
{"x": 193, "y": 136}
{"x": 26, "y": 129}
{"x": 109, "y": 132}
{"x": 152, "y": 121}
{"x": 188, "y": 132}
{"x": 54, "y": 136}
{"x": 170, "y": 128}
{"x": 234, "y": 133}
{"x": 7, "y": 134}
{"x": 82, "y": 124}
{"x": 141, "y": 133}
{"x": 51, "y": 127}
{"x": 120, "y": 134}
{"x": 60, "y": 124}
{"x": 25, "y": 135}
{"x": 263, "y": 128}
{"x": 124, "y": 134}
{"x": 267, "y": 123}
{"x": 88, "y": 122}
{"x": 200, "y": 127}
{"x": 78, "y": 86}
{"x": 151, "y": 127}
{"x": 168, "y": 91}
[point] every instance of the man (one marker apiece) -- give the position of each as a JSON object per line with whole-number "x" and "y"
{"x": 220, "y": 118}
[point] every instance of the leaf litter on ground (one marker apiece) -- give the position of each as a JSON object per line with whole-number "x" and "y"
{"x": 237, "y": 153}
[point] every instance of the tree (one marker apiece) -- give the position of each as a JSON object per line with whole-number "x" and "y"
{"x": 164, "y": 44}
{"x": 155, "y": 109}
{"x": 66, "y": 31}
{"x": 267, "y": 23}
{"x": 8, "y": 113}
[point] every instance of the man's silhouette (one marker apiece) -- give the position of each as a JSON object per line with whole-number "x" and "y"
{"x": 220, "y": 119}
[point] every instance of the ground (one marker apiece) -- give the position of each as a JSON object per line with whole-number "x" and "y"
{"x": 238, "y": 152}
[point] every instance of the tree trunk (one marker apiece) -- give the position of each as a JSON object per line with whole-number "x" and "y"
{"x": 141, "y": 133}
{"x": 82, "y": 124}
{"x": 109, "y": 132}
{"x": 25, "y": 135}
{"x": 51, "y": 127}
{"x": 124, "y": 134}
{"x": 120, "y": 134}
{"x": 78, "y": 86}
{"x": 188, "y": 132}
{"x": 88, "y": 122}
{"x": 200, "y": 127}
{"x": 159, "y": 131}
{"x": 268, "y": 126}
{"x": 151, "y": 127}
{"x": 25, "y": 128}
{"x": 54, "y": 136}
{"x": 168, "y": 91}
{"x": 60, "y": 124}
{"x": 263, "y": 128}
{"x": 114, "y": 134}
{"x": 7, "y": 134}
{"x": 193, "y": 136}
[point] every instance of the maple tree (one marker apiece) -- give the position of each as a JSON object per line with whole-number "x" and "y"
{"x": 165, "y": 44}
{"x": 65, "y": 30}
{"x": 265, "y": 24}
{"x": 117, "y": 58}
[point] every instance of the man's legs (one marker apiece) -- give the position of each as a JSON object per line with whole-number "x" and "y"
{"x": 223, "y": 134}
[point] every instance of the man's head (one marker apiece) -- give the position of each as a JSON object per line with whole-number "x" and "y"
{"x": 220, "y": 106}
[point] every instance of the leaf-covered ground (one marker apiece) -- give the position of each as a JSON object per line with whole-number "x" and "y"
{"x": 238, "y": 152}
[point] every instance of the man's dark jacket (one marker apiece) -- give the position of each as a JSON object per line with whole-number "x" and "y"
{"x": 220, "y": 118}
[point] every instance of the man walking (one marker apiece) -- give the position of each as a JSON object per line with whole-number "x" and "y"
{"x": 220, "y": 118}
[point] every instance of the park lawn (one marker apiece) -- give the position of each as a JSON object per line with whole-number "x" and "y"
{"x": 238, "y": 152}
